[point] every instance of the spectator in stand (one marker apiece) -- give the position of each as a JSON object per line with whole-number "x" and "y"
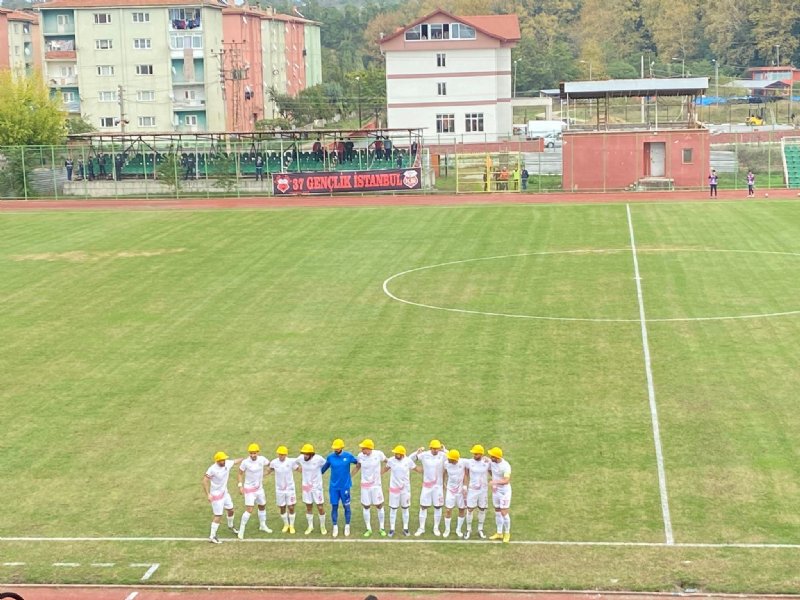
{"x": 387, "y": 148}
{"x": 515, "y": 177}
{"x": 340, "y": 150}
{"x": 80, "y": 169}
{"x": 504, "y": 179}
{"x": 414, "y": 149}
{"x": 259, "y": 167}
{"x": 90, "y": 169}
{"x": 101, "y": 164}
{"x": 349, "y": 154}
{"x": 378, "y": 149}
{"x": 68, "y": 165}
{"x": 399, "y": 161}
{"x": 118, "y": 163}
{"x": 524, "y": 178}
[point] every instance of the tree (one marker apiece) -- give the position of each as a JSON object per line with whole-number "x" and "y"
{"x": 76, "y": 125}
{"x": 29, "y": 116}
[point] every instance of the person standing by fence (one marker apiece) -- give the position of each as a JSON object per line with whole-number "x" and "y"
{"x": 712, "y": 183}
{"x": 751, "y": 184}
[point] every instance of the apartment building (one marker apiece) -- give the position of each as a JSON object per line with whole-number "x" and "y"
{"x": 452, "y": 76}
{"x": 169, "y": 65}
{"x": 20, "y": 47}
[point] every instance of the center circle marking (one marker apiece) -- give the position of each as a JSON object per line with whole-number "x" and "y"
{"x": 391, "y": 278}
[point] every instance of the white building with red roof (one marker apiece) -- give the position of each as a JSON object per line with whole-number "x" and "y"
{"x": 452, "y": 76}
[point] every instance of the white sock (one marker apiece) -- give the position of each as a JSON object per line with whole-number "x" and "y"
{"x": 291, "y": 518}
{"x": 469, "y": 521}
{"x": 381, "y": 518}
{"x": 481, "y": 519}
{"x": 498, "y": 520}
{"x": 459, "y": 523}
{"x": 406, "y": 517}
{"x": 285, "y": 518}
{"x": 423, "y": 516}
{"x": 310, "y": 519}
{"x": 507, "y": 523}
{"x": 365, "y": 512}
{"x": 262, "y": 517}
{"x": 447, "y": 521}
{"x": 322, "y": 520}
{"x": 437, "y": 517}
{"x": 230, "y": 520}
{"x": 214, "y": 527}
{"x": 245, "y": 519}
{"x": 392, "y": 518}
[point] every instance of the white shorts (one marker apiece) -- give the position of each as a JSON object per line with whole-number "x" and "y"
{"x": 501, "y": 498}
{"x": 258, "y": 497}
{"x": 224, "y": 503}
{"x": 455, "y": 500}
{"x": 400, "y": 499}
{"x": 288, "y": 498}
{"x": 371, "y": 496}
{"x": 431, "y": 496}
{"x": 477, "y": 498}
{"x": 313, "y": 496}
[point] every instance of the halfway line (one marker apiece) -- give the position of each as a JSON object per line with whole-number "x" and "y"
{"x": 651, "y": 392}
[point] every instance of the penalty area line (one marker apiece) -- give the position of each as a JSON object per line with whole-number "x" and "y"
{"x": 204, "y": 540}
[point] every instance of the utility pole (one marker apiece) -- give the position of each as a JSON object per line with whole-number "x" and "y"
{"x": 121, "y": 101}
{"x": 233, "y": 68}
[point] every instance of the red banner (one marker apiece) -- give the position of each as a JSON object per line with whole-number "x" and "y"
{"x": 333, "y": 182}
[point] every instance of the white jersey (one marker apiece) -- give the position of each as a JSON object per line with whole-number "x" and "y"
{"x": 371, "y": 468}
{"x": 312, "y": 471}
{"x": 478, "y": 473}
{"x": 253, "y": 473}
{"x": 399, "y": 474}
{"x": 432, "y": 468}
{"x": 501, "y": 470}
{"x": 284, "y": 479}
{"x": 455, "y": 475}
{"x": 219, "y": 478}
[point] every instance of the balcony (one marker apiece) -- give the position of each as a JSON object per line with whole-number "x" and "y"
{"x": 55, "y": 29}
{"x": 195, "y": 53}
{"x": 57, "y": 82}
{"x": 72, "y": 107}
{"x": 190, "y": 105}
{"x": 60, "y": 55}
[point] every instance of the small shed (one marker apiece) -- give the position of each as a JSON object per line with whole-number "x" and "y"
{"x": 653, "y": 153}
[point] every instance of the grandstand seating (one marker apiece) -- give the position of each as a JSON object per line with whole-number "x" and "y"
{"x": 791, "y": 159}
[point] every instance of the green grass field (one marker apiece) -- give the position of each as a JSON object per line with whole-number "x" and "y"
{"x": 136, "y": 344}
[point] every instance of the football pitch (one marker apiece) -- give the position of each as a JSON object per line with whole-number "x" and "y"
{"x": 638, "y": 364}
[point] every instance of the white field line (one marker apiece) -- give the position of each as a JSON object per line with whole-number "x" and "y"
{"x": 65, "y": 564}
{"x": 131, "y": 596}
{"x": 151, "y": 568}
{"x": 102, "y": 564}
{"x": 204, "y": 540}
{"x": 651, "y": 391}
{"x": 13, "y": 564}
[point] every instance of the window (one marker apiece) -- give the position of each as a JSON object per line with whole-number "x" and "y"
{"x": 440, "y": 32}
{"x": 474, "y": 122}
{"x": 179, "y": 41}
{"x": 141, "y": 17}
{"x": 26, "y": 28}
{"x": 103, "y": 44}
{"x": 413, "y": 34}
{"x": 105, "y": 71}
{"x": 144, "y": 69}
{"x": 459, "y": 31}
{"x": 441, "y": 88}
{"x": 69, "y": 97}
{"x": 67, "y": 71}
{"x": 445, "y": 123}
{"x": 106, "y": 121}
{"x": 16, "y": 27}
{"x": 141, "y": 43}
{"x": 190, "y": 120}
{"x": 147, "y": 121}
{"x": 184, "y": 18}
{"x": 102, "y": 18}
{"x": 440, "y": 60}
{"x": 189, "y": 94}
{"x": 107, "y": 96}
{"x": 62, "y": 20}
{"x": 146, "y": 96}
{"x": 687, "y": 156}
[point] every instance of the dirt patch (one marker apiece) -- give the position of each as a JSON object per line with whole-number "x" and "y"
{"x": 83, "y": 256}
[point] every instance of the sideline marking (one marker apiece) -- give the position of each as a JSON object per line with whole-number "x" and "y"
{"x": 204, "y": 540}
{"x": 60, "y": 564}
{"x": 13, "y": 564}
{"x": 152, "y": 568}
{"x": 102, "y": 564}
{"x": 651, "y": 391}
{"x": 131, "y": 596}
{"x": 586, "y": 319}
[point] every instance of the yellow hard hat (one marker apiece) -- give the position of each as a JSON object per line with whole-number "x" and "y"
{"x": 282, "y": 450}
{"x": 307, "y": 449}
{"x": 454, "y": 455}
{"x": 478, "y": 449}
{"x": 337, "y": 444}
{"x": 220, "y": 456}
{"x": 399, "y": 450}
{"x": 367, "y": 443}
{"x": 254, "y": 448}
{"x": 436, "y": 444}
{"x": 495, "y": 452}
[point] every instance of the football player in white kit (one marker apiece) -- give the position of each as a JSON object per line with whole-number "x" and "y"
{"x": 501, "y": 494}
{"x": 311, "y": 467}
{"x": 477, "y": 489}
{"x": 251, "y": 486}
{"x": 215, "y": 485}
{"x": 399, "y": 486}
{"x": 285, "y": 494}
{"x": 455, "y": 495}
{"x": 370, "y": 462}
{"x": 432, "y": 481}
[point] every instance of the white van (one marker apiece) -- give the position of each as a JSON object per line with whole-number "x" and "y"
{"x": 543, "y": 129}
